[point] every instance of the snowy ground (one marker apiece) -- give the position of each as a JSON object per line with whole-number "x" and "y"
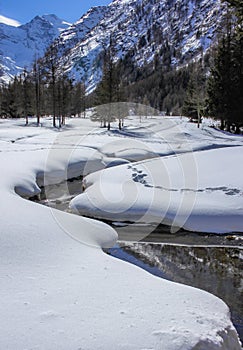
{"x": 197, "y": 186}
{"x": 58, "y": 289}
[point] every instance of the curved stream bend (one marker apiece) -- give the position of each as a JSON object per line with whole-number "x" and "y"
{"x": 210, "y": 262}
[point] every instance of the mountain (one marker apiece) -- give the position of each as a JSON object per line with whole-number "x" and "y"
{"x": 171, "y": 31}
{"x": 144, "y": 32}
{"x": 19, "y": 45}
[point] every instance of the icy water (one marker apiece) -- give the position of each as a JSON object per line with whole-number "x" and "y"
{"x": 206, "y": 261}
{"x": 217, "y": 270}
{"x": 58, "y": 196}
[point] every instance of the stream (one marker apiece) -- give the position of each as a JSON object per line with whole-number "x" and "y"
{"x": 206, "y": 261}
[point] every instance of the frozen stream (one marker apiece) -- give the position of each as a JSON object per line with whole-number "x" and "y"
{"x": 210, "y": 262}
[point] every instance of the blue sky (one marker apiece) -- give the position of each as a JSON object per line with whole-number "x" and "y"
{"x": 24, "y": 10}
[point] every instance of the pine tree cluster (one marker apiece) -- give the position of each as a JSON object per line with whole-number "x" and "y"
{"x": 212, "y": 85}
{"x": 225, "y": 85}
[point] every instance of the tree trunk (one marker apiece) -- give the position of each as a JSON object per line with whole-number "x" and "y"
{"x": 198, "y": 118}
{"x": 237, "y": 129}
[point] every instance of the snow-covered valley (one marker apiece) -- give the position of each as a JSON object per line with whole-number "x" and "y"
{"x": 59, "y": 290}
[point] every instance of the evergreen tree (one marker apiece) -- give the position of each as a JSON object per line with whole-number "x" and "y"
{"x": 79, "y": 99}
{"x": 1, "y": 101}
{"x": 14, "y": 99}
{"x": 1, "y": 66}
{"x": 51, "y": 78}
{"x": 27, "y": 95}
{"x": 65, "y": 98}
{"x": 107, "y": 91}
{"x": 37, "y": 88}
{"x": 194, "y": 103}
{"x": 225, "y": 84}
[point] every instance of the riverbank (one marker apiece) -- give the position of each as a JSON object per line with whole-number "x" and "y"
{"x": 58, "y": 288}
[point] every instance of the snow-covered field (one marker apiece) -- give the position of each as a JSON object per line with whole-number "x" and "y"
{"x": 58, "y": 289}
{"x": 200, "y": 190}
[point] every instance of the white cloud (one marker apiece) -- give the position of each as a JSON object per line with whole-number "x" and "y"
{"x": 9, "y": 21}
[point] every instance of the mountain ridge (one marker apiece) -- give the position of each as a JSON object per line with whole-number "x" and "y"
{"x": 19, "y": 45}
{"x": 172, "y": 31}
{"x": 144, "y": 30}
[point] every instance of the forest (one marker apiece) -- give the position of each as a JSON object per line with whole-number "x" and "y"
{"x": 211, "y": 86}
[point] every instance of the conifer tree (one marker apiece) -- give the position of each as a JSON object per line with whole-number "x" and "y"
{"x": 107, "y": 91}
{"x": 14, "y": 101}
{"x": 79, "y": 99}
{"x": 194, "y": 103}
{"x": 37, "y": 86}
{"x": 25, "y": 97}
{"x": 50, "y": 60}
{"x": 225, "y": 84}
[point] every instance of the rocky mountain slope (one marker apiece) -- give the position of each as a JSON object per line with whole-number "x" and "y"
{"x": 19, "y": 45}
{"x": 173, "y": 32}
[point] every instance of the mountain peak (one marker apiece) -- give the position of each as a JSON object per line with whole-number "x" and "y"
{"x": 54, "y": 20}
{"x": 49, "y": 19}
{"x": 144, "y": 31}
{"x": 21, "y": 44}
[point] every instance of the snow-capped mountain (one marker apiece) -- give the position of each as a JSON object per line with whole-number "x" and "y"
{"x": 141, "y": 29}
{"x": 78, "y": 31}
{"x": 19, "y": 45}
{"x": 146, "y": 31}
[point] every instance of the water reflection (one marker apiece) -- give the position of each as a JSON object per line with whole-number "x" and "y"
{"x": 184, "y": 257}
{"x": 59, "y": 195}
{"x": 217, "y": 270}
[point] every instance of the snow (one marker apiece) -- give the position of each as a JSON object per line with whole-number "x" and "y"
{"x": 197, "y": 186}
{"x": 9, "y": 21}
{"x": 123, "y": 21}
{"x": 84, "y": 40}
{"x": 182, "y": 191}
{"x": 58, "y": 289}
{"x": 20, "y": 43}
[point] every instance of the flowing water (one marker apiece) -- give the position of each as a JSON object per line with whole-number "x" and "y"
{"x": 206, "y": 261}
{"x": 217, "y": 270}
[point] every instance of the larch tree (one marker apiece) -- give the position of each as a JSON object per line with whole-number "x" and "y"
{"x": 107, "y": 90}
{"x": 37, "y": 86}
{"x": 194, "y": 103}
{"x": 51, "y": 66}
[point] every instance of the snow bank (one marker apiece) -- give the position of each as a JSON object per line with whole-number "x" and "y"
{"x": 59, "y": 290}
{"x": 199, "y": 191}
